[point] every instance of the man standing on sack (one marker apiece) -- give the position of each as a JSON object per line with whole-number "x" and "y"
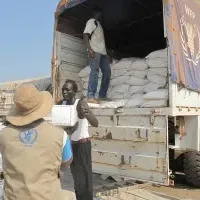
{"x": 32, "y": 149}
{"x": 81, "y": 166}
{"x": 98, "y": 58}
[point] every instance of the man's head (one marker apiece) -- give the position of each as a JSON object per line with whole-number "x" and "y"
{"x": 69, "y": 90}
{"x": 97, "y": 14}
{"x": 29, "y": 106}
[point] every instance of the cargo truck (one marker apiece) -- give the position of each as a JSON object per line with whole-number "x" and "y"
{"x": 139, "y": 143}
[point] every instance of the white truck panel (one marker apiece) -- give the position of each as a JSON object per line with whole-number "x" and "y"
{"x": 191, "y": 139}
{"x": 184, "y": 98}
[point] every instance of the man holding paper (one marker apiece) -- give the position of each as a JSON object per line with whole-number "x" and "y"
{"x": 81, "y": 166}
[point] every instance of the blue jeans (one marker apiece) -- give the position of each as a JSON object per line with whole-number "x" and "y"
{"x": 102, "y": 62}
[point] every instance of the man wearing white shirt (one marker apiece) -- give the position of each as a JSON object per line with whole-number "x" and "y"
{"x": 81, "y": 166}
{"x": 98, "y": 58}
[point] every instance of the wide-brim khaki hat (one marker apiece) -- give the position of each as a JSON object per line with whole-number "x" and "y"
{"x": 29, "y": 105}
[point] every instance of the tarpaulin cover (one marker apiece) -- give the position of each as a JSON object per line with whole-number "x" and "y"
{"x": 182, "y": 19}
{"x": 65, "y": 4}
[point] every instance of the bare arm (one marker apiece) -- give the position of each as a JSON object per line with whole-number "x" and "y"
{"x": 91, "y": 118}
{"x": 71, "y": 130}
{"x": 86, "y": 37}
{"x": 84, "y": 112}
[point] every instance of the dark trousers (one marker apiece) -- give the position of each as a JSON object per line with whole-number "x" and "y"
{"x": 99, "y": 62}
{"x": 81, "y": 169}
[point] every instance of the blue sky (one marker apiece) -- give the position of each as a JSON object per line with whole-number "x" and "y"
{"x": 26, "y": 34}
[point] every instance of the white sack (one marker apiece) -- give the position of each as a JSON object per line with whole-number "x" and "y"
{"x": 84, "y": 72}
{"x": 85, "y": 85}
{"x": 157, "y": 62}
{"x": 158, "y": 71}
{"x": 119, "y": 80}
{"x": 156, "y": 79}
{"x": 85, "y": 79}
{"x": 135, "y": 101}
{"x": 118, "y": 72}
{"x": 136, "y": 81}
{"x": 109, "y": 90}
{"x": 137, "y": 96}
{"x": 111, "y": 104}
{"x": 139, "y": 65}
{"x": 159, "y": 94}
{"x": 119, "y": 95}
{"x": 131, "y": 103}
{"x": 151, "y": 87}
{"x": 114, "y": 61}
{"x": 84, "y": 92}
{"x": 138, "y": 74}
{"x": 136, "y": 89}
{"x": 120, "y": 89}
{"x": 124, "y": 63}
{"x": 154, "y": 103}
{"x": 158, "y": 54}
{"x": 116, "y": 96}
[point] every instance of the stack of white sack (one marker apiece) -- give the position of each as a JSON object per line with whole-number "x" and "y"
{"x": 84, "y": 76}
{"x": 157, "y": 71}
{"x": 156, "y": 94}
{"x": 156, "y": 98}
{"x": 133, "y": 79}
{"x": 128, "y": 84}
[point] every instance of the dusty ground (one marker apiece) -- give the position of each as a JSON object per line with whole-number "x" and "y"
{"x": 168, "y": 193}
{"x": 179, "y": 191}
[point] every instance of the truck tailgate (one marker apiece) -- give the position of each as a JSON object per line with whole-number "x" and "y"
{"x": 131, "y": 145}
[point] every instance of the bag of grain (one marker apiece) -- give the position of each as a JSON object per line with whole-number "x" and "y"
{"x": 136, "y": 89}
{"x": 154, "y": 103}
{"x": 157, "y": 62}
{"x": 139, "y": 65}
{"x": 151, "y": 87}
{"x": 136, "y": 81}
{"x": 124, "y": 63}
{"x": 158, "y": 54}
{"x": 153, "y": 78}
{"x": 159, "y": 94}
{"x": 135, "y": 101}
{"x": 118, "y": 80}
{"x": 138, "y": 74}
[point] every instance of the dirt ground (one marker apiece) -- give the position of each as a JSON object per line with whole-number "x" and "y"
{"x": 179, "y": 191}
{"x": 176, "y": 192}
